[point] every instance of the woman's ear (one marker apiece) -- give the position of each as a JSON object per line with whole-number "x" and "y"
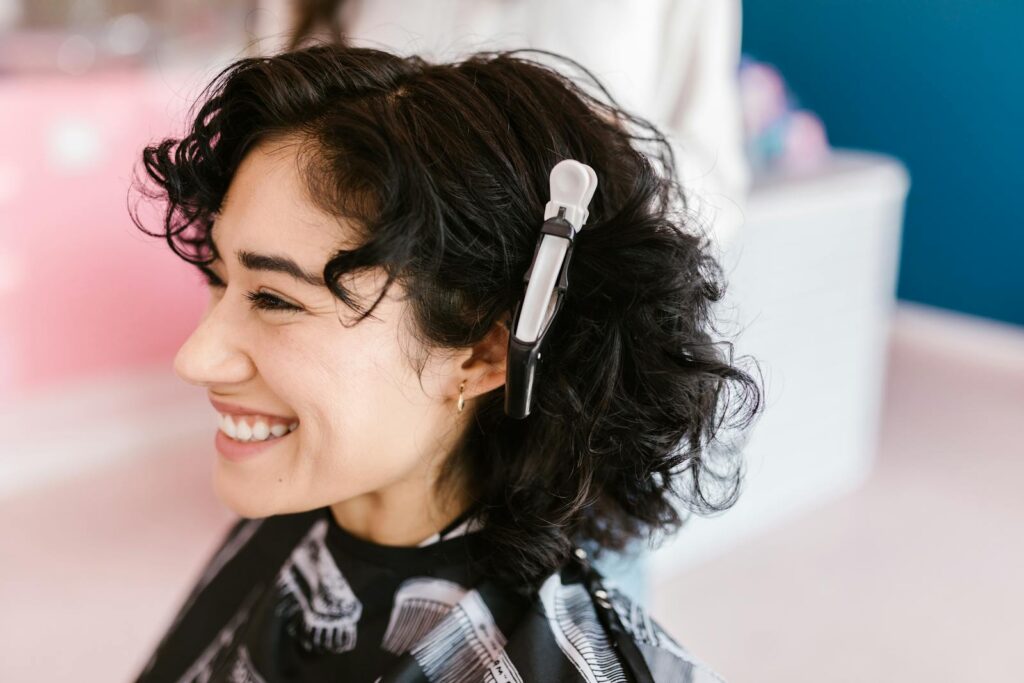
{"x": 484, "y": 370}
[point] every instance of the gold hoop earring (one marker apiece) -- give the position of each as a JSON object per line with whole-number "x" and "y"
{"x": 462, "y": 401}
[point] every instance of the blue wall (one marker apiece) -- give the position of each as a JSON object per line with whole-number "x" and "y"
{"x": 940, "y": 85}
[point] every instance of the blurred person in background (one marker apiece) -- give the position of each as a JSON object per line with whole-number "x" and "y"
{"x": 675, "y": 63}
{"x": 396, "y": 524}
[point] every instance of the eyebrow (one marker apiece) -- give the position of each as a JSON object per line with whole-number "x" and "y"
{"x": 275, "y": 264}
{"x": 278, "y": 264}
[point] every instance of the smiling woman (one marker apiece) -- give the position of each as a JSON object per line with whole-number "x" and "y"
{"x": 407, "y": 528}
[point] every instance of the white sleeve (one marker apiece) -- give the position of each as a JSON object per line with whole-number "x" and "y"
{"x": 700, "y": 105}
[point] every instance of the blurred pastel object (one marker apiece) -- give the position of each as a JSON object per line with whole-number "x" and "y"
{"x": 763, "y": 96}
{"x": 778, "y": 132}
{"x": 806, "y": 144}
{"x": 74, "y": 144}
{"x": 766, "y": 146}
{"x": 67, "y": 149}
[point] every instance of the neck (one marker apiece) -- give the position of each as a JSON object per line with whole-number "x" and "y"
{"x": 405, "y": 514}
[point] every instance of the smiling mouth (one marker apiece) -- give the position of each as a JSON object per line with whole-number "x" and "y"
{"x": 253, "y": 428}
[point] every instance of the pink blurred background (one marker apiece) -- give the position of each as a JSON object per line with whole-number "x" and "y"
{"x": 76, "y": 271}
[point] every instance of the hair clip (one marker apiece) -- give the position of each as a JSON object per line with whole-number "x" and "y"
{"x": 572, "y": 187}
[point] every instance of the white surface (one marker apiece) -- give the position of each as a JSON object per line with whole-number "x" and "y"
{"x": 68, "y": 430}
{"x": 811, "y": 283}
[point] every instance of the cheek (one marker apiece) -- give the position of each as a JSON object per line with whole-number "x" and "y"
{"x": 377, "y": 423}
{"x": 366, "y": 420}
{"x": 365, "y": 442}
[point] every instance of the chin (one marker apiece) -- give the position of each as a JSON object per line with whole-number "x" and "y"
{"x": 244, "y": 501}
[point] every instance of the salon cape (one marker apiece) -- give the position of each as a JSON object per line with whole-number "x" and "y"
{"x": 296, "y": 597}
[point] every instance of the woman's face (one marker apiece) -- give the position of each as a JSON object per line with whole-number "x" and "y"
{"x": 365, "y": 422}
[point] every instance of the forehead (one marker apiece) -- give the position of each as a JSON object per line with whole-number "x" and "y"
{"x": 266, "y": 209}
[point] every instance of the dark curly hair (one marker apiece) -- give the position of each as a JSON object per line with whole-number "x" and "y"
{"x": 444, "y": 169}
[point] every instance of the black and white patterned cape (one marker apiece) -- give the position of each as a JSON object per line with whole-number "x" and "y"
{"x": 297, "y": 598}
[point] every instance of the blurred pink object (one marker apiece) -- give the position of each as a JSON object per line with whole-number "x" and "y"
{"x": 83, "y": 291}
{"x": 806, "y": 144}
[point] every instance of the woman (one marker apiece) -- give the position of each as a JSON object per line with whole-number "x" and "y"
{"x": 396, "y": 524}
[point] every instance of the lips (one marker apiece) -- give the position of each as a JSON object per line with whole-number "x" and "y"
{"x": 232, "y": 409}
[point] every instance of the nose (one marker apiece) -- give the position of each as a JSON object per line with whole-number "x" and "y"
{"x": 212, "y": 355}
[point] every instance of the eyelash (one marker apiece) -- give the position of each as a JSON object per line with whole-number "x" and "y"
{"x": 260, "y": 300}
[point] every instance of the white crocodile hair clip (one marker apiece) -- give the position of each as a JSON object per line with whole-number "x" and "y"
{"x": 572, "y": 187}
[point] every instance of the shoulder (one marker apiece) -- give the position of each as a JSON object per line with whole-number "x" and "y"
{"x": 248, "y": 550}
{"x": 580, "y": 616}
{"x": 265, "y": 536}
{"x": 249, "y": 545}
{"x": 665, "y": 657}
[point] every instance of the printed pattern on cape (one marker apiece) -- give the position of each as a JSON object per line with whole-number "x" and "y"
{"x": 578, "y": 631}
{"x": 220, "y": 648}
{"x": 242, "y": 670}
{"x": 468, "y": 526}
{"x": 319, "y": 607}
{"x": 502, "y": 671}
{"x": 419, "y": 604}
{"x": 667, "y": 659}
{"x": 236, "y": 538}
{"x": 239, "y": 535}
{"x": 465, "y": 646}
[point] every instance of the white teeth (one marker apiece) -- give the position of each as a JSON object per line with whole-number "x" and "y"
{"x": 259, "y": 431}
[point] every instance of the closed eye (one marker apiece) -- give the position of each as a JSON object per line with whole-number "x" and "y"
{"x": 269, "y": 302}
{"x": 260, "y": 300}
